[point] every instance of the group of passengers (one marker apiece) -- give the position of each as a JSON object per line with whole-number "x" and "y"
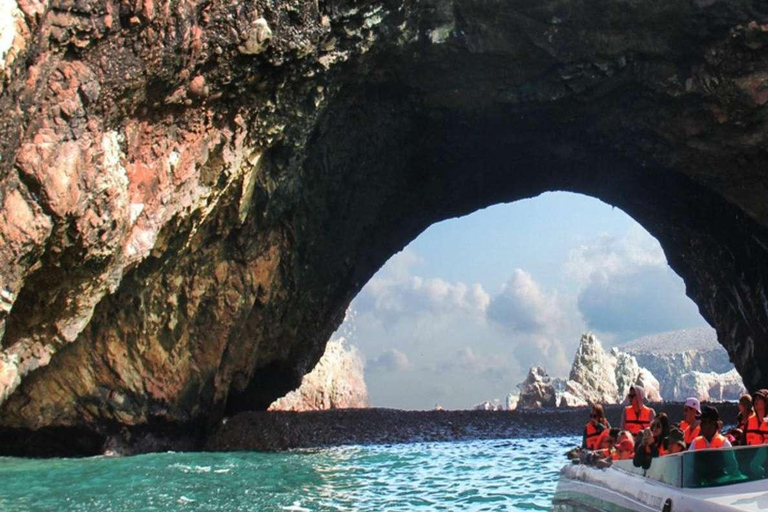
{"x": 644, "y": 434}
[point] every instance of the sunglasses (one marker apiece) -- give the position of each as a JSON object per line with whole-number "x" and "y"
{"x": 594, "y": 415}
{"x": 631, "y": 395}
{"x": 655, "y": 426}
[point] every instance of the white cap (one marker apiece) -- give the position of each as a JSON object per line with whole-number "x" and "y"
{"x": 693, "y": 403}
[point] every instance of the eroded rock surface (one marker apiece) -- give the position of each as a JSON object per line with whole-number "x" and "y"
{"x": 337, "y": 382}
{"x": 536, "y": 391}
{"x": 193, "y": 193}
{"x": 672, "y": 356}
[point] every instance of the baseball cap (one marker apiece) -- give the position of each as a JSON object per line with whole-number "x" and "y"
{"x": 693, "y": 403}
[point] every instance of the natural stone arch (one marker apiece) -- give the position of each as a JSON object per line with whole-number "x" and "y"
{"x": 233, "y": 174}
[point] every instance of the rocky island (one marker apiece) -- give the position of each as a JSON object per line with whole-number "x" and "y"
{"x": 192, "y": 193}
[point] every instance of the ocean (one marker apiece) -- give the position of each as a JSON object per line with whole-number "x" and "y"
{"x": 498, "y": 474}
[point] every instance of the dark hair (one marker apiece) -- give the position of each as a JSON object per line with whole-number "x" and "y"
{"x": 600, "y": 415}
{"x": 709, "y": 413}
{"x": 746, "y": 401}
{"x": 663, "y": 439}
{"x": 614, "y": 433}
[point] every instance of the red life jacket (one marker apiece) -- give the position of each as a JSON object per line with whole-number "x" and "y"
{"x": 690, "y": 434}
{"x": 683, "y": 425}
{"x": 593, "y": 436}
{"x": 636, "y": 423}
{"x": 700, "y": 443}
{"x": 757, "y": 430}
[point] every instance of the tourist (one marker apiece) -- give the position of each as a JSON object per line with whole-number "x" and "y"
{"x": 690, "y": 423}
{"x": 676, "y": 443}
{"x": 626, "y": 449}
{"x": 710, "y": 431}
{"x": 608, "y": 442}
{"x": 655, "y": 442}
{"x": 736, "y": 435}
{"x": 594, "y": 428}
{"x": 637, "y": 416}
{"x": 756, "y": 431}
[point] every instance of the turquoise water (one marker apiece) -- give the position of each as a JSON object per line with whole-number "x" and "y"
{"x": 514, "y": 474}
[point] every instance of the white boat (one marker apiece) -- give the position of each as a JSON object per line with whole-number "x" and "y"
{"x": 699, "y": 481}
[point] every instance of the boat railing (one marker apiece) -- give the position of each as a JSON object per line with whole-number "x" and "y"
{"x": 706, "y": 468}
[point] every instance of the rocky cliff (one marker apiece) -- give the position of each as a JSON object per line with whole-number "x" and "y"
{"x": 602, "y": 377}
{"x": 688, "y": 362}
{"x": 193, "y": 192}
{"x": 337, "y": 382}
{"x": 536, "y": 391}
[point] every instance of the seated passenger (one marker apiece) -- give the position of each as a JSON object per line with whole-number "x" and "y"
{"x": 710, "y": 431}
{"x": 624, "y": 434}
{"x": 676, "y": 442}
{"x": 756, "y": 431}
{"x": 608, "y": 442}
{"x": 626, "y": 449}
{"x": 690, "y": 423}
{"x": 745, "y": 412}
{"x": 637, "y": 416}
{"x": 595, "y": 428}
{"x": 654, "y": 442}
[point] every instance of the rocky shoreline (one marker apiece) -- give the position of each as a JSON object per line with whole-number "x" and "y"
{"x": 278, "y": 431}
{"x": 288, "y": 430}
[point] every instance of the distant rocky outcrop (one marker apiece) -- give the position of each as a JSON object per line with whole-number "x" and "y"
{"x": 712, "y": 387}
{"x": 604, "y": 377}
{"x": 337, "y": 382}
{"x": 486, "y": 405}
{"x": 593, "y": 373}
{"x": 687, "y": 362}
{"x": 537, "y": 390}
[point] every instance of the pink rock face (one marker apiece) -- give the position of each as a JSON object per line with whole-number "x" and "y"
{"x": 337, "y": 382}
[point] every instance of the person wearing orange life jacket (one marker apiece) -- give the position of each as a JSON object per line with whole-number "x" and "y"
{"x": 690, "y": 423}
{"x": 757, "y": 427}
{"x": 710, "y": 431}
{"x": 594, "y": 429}
{"x": 637, "y": 416}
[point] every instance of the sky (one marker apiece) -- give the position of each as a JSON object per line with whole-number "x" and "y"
{"x": 467, "y": 307}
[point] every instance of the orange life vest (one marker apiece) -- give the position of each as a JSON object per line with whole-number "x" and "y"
{"x": 683, "y": 425}
{"x": 690, "y": 434}
{"x": 700, "y": 443}
{"x": 637, "y": 423}
{"x": 593, "y": 436}
{"x": 757, "y": 430}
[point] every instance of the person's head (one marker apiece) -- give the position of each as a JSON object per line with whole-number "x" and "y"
{"x": 608, "y": 439}
{"x": 760, "y": 402}
{"x": 660, "y": 426}
{"x": 626, "y": 449}
{"x": 635, "y": 395}
{"x": 624, "y": 434}
{"x": 745, "y": 405}
{"x": 597, "y": 415}
{"x": 710, "y": 422}
{"x": 691, "y": 409}
{"x": 676, "y": 440}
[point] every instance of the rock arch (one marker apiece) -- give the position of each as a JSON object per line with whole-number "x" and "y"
{"x": 192, "y": 195}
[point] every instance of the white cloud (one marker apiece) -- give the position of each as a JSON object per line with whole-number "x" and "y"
{"x": 394, "y": 293}
{"x": 540, "y": 325}
{"x": 391, "y": 360}
{"x": 627, "y": 289}
{"x": 523, "y": 307}
{"x": 605, "y": 256}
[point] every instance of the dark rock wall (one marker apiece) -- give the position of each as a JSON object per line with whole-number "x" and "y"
{"x": 193, "y": 192}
